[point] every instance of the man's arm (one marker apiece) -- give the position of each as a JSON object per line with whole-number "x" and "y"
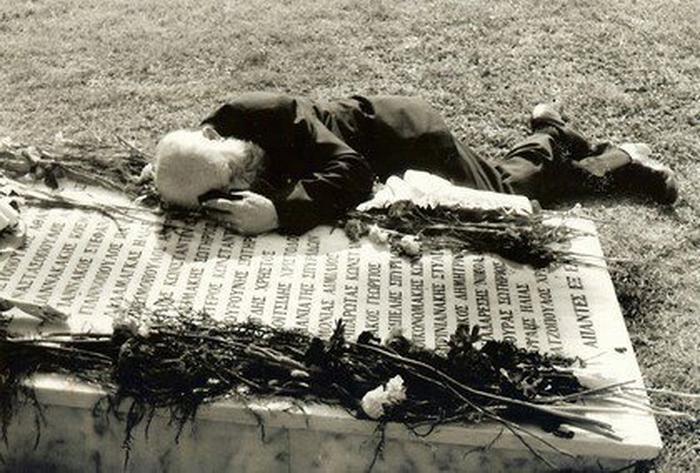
{"x": 331, "y": 177}
{"x": 340, "y": 179}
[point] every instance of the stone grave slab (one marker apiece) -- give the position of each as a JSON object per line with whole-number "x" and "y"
{"x": 89, "y": 266}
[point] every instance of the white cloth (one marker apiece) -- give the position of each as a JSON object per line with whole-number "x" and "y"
{"x": 428, "y": 190}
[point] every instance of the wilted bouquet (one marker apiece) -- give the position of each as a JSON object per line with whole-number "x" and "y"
{"x": 411, "y": 230}
{"x": 179, "y": 359}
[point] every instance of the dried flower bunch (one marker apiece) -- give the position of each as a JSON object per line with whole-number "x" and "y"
{"x": 178, "y": 359}
{"x": 116, "y": 165}
{"x": 411, "y": 230}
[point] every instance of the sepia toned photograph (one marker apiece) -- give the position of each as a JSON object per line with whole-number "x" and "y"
{"x": 349, "y": 236}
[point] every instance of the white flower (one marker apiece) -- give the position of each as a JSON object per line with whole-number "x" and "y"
{"x": 410, "y": 245}
{"x": 593, "y": 379}
{"x": 377, "y": 235}
{"x": 374, "y": 401}
{"x": 395, "y": 390}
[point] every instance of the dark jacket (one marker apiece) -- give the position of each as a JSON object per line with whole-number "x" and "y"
{"x": 336, "y": 149}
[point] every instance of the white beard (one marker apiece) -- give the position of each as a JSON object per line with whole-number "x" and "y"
{"x": 246, "y": 167}
{"x": 188, "y": 165}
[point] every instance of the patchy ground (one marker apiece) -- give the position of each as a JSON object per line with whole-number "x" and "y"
{"x": 624, "y": 70}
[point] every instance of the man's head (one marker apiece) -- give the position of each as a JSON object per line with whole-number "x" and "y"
{"x": 190, "y": 163}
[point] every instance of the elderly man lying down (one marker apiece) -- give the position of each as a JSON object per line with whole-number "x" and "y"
{"x": 276, "y": 162}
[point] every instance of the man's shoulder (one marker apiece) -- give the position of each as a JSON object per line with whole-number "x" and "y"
{"x": 256, "y": 116}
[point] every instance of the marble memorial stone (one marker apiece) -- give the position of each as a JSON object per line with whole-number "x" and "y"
{"x": 89, "y": 266}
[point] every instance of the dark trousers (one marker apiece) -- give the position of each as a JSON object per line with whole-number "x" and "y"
{"x": 550, "y": 166}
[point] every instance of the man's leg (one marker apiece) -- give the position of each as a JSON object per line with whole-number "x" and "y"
{"x": 557, "y": 162}
{"x": 542, "y": 168}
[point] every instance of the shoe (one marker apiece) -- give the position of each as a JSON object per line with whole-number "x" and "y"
{"x": 647, "y": 176}
{"x": 546, "y": 114}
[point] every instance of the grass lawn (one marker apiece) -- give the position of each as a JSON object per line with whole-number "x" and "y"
{"x": 625, "y": 70}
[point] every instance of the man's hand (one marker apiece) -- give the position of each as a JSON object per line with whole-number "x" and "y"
{"x": 250, "y": 215}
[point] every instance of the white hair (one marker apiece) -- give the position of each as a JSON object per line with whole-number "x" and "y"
{"x": 187, "y": 165}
